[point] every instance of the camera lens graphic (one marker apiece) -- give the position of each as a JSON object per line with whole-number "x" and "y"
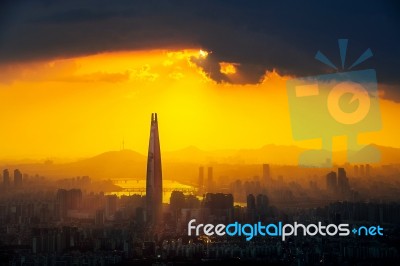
{"x": 359, "y": 94}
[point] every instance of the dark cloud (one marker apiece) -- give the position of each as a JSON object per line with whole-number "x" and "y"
{"x": 258, "y": 35}
{"x": 78, "y": 15}
{"x": 248, "y": 73}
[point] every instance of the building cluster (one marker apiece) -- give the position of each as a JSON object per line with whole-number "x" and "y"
{"x": 206, "y": 184}
{"x": 7, "y": 179}
{"x": 71, "y": 226}
{"x": 362, "y": 170}
{"x": 338, "y": 183}
{"x": 116, "y": 230}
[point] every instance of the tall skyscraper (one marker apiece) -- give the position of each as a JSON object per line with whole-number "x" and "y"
{"x": 331, "y": 182}
{"x": 266, "y": 175}
{"x": 17, "y": 178}
{"x": 62, "y": 202}
{"x": 111, "y": 205}
{"x": 342, "y": 181}
{"x": 68, "y": 200}
{"x": 266, "y": 172}
{"x": 74, "y": 199}
{"x": 154, "y": 176}
{"x": 368, "y": 170}
{"x": 251, "y": 208}
{"x": 201, "y": 179}
{"x": 362, "y": 172}
{"x": 262, "y": 202}
{"x": 355, "y": 170}
{"x": 6, "y": 178}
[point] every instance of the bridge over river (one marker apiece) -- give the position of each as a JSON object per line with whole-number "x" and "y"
{"x": 138, "y": 186}
{"x": 142, "y": 190}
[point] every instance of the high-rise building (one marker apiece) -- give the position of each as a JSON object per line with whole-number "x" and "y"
{"x": 6, "y": 178}
{"x": 342, "y": 181}
{"x": 99, "y": 218}
{"x": 220, "y": 206}
{"x": 201, "y": 179}
{"x": 362, "y": 172}
{"x": 111, "y": 205}
{"x": 177, "y": 201}
{"x": 266, "y": 173}
{"x": 68, "y": 200}
{"x": 154, "y": 176}
{"x": 262, "y": 206}
{"x": 355, "y": 170}
{"x": 62, "y": 203}
{"x": 262, "y": 202}
{"x": 251, "y": 208}
{"x": 17, "y": 178}
{"x": 251, "y": 202}
{"x": 368, "y": 170}
{"x": 331, "y": 182}
{"x": 74, "y": 199}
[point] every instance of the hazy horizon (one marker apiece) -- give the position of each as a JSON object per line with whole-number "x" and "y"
{"x": 182, "y": 155}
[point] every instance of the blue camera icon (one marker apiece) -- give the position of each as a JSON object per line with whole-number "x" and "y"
{"x": 343, "y": 103}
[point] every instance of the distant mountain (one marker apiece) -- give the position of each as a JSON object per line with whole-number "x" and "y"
{"x": 389, "y": 155}
{"x": 114, "y": 157}
{"x": 195, "y": 155}
{"x": 108, "y": 165}
{"x": 184, "y": 163}
{"x": 273, "y": 154}
{"x": 112, "y": 164}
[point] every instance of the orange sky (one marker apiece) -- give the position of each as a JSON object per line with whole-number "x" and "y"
{"x": 83, "y": 106}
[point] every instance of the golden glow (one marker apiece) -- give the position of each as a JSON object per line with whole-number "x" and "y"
{"x": 86, "y": 105}
{"x": 227, "y": 68}
{"x": 203, "y": 54}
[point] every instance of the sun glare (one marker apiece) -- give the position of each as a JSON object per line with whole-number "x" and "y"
{"x": 203, "y": 54}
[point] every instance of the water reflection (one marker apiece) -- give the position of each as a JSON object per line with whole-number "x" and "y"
{"x": 168, "y": 185}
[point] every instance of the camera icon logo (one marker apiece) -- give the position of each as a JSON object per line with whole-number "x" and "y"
{"x": 328, "y": 105}
{"x": 358, "y": 93}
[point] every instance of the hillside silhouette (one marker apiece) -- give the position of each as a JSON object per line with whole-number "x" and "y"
{"x": 179, "y": 164}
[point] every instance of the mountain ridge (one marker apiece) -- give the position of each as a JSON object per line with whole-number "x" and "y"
{"x": 131, "y": 164}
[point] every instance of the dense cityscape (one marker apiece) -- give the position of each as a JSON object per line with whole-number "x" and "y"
{"x": 46, "y": 221}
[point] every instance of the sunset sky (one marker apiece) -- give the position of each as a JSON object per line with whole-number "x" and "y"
{"x": 78, "y": 78}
